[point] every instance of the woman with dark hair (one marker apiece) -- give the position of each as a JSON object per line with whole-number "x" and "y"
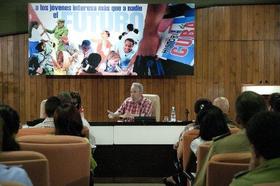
{"x": 212, "y": 123}
{"x": 200, "y": 105}
{"x": 10, "y": 128}
{"x": 68, "y": 121}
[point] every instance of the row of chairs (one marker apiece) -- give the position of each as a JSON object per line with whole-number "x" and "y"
{"x": 51, "y": 159}
{"x": 221, "y": 167}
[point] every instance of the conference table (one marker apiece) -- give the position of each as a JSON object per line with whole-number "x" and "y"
{"x": 135, "y": 149}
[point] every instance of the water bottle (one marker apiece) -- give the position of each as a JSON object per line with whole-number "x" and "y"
{"x": 173, "y": 114}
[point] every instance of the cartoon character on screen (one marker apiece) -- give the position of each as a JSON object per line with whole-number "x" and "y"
{"x": 45, "y": 58}
{"x": 59, "y": 31}
{"x": 72, "y": 57}
{"x": 132, "y": 33}
{"x": 112, "y": 63}
{"x": 34, "y": 37}
{"x": 104, "y": 45}
{"x": 126, "y": 53}
{"x": 90, "y": 64}
{"x": 64, "y": 60}
{"x": 86, "y": 48}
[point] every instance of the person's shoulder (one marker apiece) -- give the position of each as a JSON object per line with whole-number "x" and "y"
{"x": 128, "y": 99}
{"x": 239, "y": 179}
{"x": 231, "y": 143}
{"x": 221, "y": 136}
{"x": 14, "y": 173}
{"x": 228, "y": 137}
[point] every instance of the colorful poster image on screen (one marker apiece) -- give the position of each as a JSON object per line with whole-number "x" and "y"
{"x": 111, "y": 39}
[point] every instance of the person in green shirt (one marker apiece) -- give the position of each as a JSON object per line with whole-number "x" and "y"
{"x": 263, "y": 133}
{"x": 59, "y": 31}
{"x": 246, "y": 105}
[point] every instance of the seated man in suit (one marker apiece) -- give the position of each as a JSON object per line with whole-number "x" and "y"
{"x": 263, "y": 133}
{"x": 135, "y": 105}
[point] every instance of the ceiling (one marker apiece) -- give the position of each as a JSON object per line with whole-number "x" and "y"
{"x": 13, "y": 14}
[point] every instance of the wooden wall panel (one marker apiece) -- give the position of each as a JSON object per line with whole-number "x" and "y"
{"x": 234, "y": 45}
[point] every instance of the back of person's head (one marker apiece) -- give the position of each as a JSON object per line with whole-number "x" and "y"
{"x": 68, "y": 121}
{"x": 139, "y": 86}
{"x": 212, "y": 123}
{"x": 222, "y": 103}
{"x": 130, "y": 27}
{"x": 274, "y": 102}
{"x": 247, "y": 105}
{"x": 51, "y": 104}
{"x": 201, "y": 104}
{"x": 65, "y": 97}
{"x": 263, "y": 131}
{"x": 11, "y": 118}
{"x": 10, "y": 125}
{"x": 76, "y": 99}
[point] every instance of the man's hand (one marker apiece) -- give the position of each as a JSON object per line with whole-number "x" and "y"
{"x": 127, "y": 115}
{"x": 111, "y": 114}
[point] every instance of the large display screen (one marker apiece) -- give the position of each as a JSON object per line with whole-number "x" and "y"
{"x": 111, "y": 39}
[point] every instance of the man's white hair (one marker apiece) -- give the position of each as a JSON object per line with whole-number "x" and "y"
{"x": 222, "y": 103}
{"x": 139, "y": 86}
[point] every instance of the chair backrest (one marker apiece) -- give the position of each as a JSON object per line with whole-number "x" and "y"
{"x": 37, "y": 131}
{"x": 10, "y": 183}
{"x": 202, "y": 152}
{"x": 204, "y": 148}
{"x": 222, "y": 167}
{"x": 155, "y": 105}
{"x": 34, "y": 131}
{"x": 34, "y": 163}
{"x": 42, "y": 109}
{"x": 188, "y": 137}
{"x": 69, "y": 157}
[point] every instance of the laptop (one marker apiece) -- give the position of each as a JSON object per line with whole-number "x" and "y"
{"x": 144, "y": 119}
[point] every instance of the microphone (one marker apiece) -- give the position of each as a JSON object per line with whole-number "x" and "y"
{"x": 140, "y": 105}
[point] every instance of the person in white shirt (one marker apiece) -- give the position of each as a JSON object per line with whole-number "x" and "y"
{"x": 51, "y": 104}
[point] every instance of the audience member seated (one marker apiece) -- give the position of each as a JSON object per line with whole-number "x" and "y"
{"x": 274, "y": 102}
{"x": 10, "y": 173}
{"x": 77, "y": 102}
{"x": 263, "y": 133}
{"x": 75, "y": 98}
{"x": 68, "y": 121}
{"x": 179, "y": 146}
{"x": 135, "y": 105}
{"x": 51, "y": 104}
{"x": 199, "y": 105}
{"x": 223, "y": 104}
{"x": 212, "y": 124}
{"x": 246, "y": 106}
{"x": 10, "y": 128}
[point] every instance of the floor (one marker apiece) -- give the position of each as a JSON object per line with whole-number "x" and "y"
{"x": 128, "y": 184}
{"x": 129, "y": 181}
